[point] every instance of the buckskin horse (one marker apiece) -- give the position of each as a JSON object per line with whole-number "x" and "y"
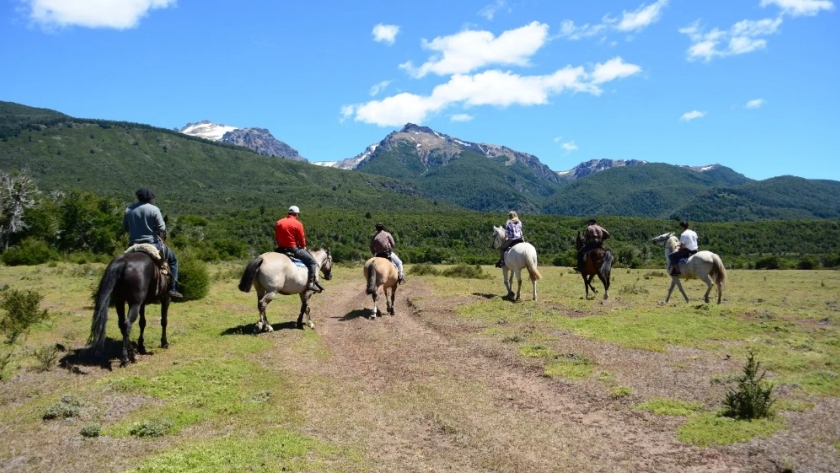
{"x": 381, "y": 273}
{"x": 700, "y": 265}
{"x": 517, "y": 257}
{"x": 137, "y": 279}
{"x": 596, "y": 262}
{"x": 274, "y": 273}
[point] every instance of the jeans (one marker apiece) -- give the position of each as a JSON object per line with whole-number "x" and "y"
{"x": 303, "y": 255}
{"x": 394, "y": 259}
{"x": 167, "y": 253}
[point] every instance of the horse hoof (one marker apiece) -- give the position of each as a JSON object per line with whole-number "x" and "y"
{"x": 300, "y": 326}
{"x": 312, "y": 325}
{"x": 268, "y": 328}
{"x": 164, "y": 345}
{"x": 141, "y": 350}
{"x": 123, "y": 363}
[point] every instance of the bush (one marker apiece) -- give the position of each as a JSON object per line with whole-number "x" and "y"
{"x": 47, "y": 357}
{"x": 22, "y": 312}
{"x": 193, "y": 278}
{"x": 67, "y": 407}
{"x": 91, "y": 430}
{"x": 808, "y": 262}
{"x": 466, "y": 272}
{"x": 150, "y": 428}
{"x": 30, "y": 251}
{"x": 752, "y": 398}
{"x": 423, "y": 269}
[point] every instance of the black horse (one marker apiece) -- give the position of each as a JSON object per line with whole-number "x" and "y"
{"x": 137, "y": 279}
{"x": 596, "y": 262}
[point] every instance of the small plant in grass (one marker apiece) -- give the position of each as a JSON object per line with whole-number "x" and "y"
{"x": 91, "y": 430}
{"x": 423, "y": 269}
{"x": 466, "y": 272}
{"x": 513, "y": 339}
{"x": 569, "y": 366}
{"x": 752, "y": 397}
{"x": 64, "y": 409}
{"x": 22, "y": 312}
{"x": 633, "y": 289}
{"x": 47, "y": 357}
{"x": 669, "y": 407}
{"x": 619, "y": 392}
{"x": 150, "y": 428}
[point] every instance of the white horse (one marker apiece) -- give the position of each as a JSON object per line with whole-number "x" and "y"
{"x": 700, "y": 265}
{"x": 522, "y": 255}
{"x": 272, "y": 273}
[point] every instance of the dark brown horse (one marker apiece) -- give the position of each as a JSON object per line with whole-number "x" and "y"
{"x": 597, "y": 262}
{"x": 136, "y": 279}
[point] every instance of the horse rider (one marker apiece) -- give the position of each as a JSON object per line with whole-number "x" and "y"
{"x": 291, "y": 241}
{"x": 594, "y": 237}
{"x": 513, "y": 234}
{"x": 144, "y": 224}
{"x": 688, "y": 247}
{"x": 382, "y": 246}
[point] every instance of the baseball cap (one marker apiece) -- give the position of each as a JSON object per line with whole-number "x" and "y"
{"x": 294, "y": 209}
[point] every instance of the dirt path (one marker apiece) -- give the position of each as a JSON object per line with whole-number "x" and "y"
{"x": 420, "y": 397}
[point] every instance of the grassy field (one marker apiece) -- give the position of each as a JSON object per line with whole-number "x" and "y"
{"x": 220, "y": 399}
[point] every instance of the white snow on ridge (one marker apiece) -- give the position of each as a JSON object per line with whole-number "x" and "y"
{"x": 207, "y": 130}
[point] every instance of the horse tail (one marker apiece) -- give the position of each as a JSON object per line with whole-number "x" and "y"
{"x": 531, "y": 266}
{"x": 718, "y": 272}
{"x": 103, "y": 299}
{"x": 250, "y": 273}
{"x": 371, "y": 278}
{"x": 606, "y": 266}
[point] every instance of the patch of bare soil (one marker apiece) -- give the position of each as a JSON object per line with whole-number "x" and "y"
{"x": 424, "y": 391}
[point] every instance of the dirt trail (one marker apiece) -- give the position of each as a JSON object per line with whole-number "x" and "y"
{"x": 420, "y": 397}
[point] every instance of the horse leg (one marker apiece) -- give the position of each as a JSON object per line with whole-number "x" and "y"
{"x": 679, "y": 286}
{"x": 304, "y": 309}
{"x": 534, "y": 288}
{"x": 127, "y": 351}
{"x": 709, "y": 284}
{"x": 391, "y": 300}
{"x": 606, "y": 286}
{"x": 671, "y": 289}
{"x": 263, "y": 325}
{"x": 518, "y": 273}
{"x": 141, "y": 345}
{"x": 375, "y": 296}
{"x": 164, "y": 315}
{"x": 508, "y": 281}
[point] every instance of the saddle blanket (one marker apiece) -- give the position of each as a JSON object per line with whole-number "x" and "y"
{"x": 297, "y": 262}
{"x": 147, "y": 248}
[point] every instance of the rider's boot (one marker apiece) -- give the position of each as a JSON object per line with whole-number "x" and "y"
{"x": 401, "y": 279}
{"x": 313, "y": 285}
{"x": 173, "y": 293}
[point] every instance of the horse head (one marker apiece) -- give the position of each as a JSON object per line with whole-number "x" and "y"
{"x": 661, "y": 239}
{"x": 326, "y": 264}
{"x": 498, "y": 237}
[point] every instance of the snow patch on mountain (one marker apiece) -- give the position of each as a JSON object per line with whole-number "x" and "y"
{"x": 207, "y": 130}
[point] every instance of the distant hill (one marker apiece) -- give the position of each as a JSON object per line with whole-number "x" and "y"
{"x": 189, "y": 175}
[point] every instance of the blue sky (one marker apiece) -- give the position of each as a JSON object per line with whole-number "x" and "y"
{"x": 750, "y": 84}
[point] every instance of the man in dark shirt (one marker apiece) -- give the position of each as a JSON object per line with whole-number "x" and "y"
{"x": 382, "y": 245}
{"x": 144, "y": 224}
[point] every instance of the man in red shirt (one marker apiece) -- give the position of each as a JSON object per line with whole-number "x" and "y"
{"x": 291, "y": 240}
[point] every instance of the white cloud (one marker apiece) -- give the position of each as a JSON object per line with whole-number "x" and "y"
{"x": 569, "y": 146}
{"x": 800, "y": 7}
{"x": 755, "y": 103}
{"x": 642, "y": 17}
{"x": 469, "y": 50}
{"x": 461, "y": 117}
{"x": 694, "y": 114}
{"x": 385, "y": 33}
{"x": 117, "y": 14}
{"x": 636, "y": 20}
{"x": 742, "y": 38}
{"x": 376, "y": 88}
{"x": 493, "y": 88}
{"x": 490, "y": 10}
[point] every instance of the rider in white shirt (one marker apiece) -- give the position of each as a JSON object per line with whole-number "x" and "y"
{"x": 688, "y": 247}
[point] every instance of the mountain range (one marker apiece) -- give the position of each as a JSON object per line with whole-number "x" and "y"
{"x": 412, "y": 169}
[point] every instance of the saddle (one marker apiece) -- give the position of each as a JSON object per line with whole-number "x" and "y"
{"x": 387, "y": 256}
{"x": 162, "y": 273}
{"x": 514, "y": 244}
{"x": 291, "y": 256}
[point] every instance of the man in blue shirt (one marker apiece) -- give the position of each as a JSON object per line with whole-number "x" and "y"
{"x": 144, "y": 224}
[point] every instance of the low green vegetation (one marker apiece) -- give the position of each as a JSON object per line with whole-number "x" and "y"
{"x": 669, "y": 407}
{"x": 710, "y": 429}
{"x": 570, "y": 366}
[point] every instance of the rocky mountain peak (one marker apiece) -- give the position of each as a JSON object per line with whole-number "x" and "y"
{"x": 255, "y": 139}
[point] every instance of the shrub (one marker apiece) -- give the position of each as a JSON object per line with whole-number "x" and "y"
{"x": 67, "y": 407}
{"x": 91, "y": 430}
{"x": 467, "y": 272}
{"x": 193, "y": 278}
{"x": 22, "y": 312}
{"x": 423, "y": 269}
{"x": 150, "y": 428}
{"x": 752, "y": 398}
{"x": 47, "y": 357}
{"x": 30, "y": 251}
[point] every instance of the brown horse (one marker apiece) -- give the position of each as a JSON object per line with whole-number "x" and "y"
{"x": 380, "y": 273}
{"x": 136, "y": 279}
{"x": 597, "y": 262}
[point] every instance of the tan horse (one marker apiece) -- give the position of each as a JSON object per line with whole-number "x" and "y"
{"x": 700, "y": 265}
{"x": 274, "y": 273}
{"x": 380, "y": 273}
